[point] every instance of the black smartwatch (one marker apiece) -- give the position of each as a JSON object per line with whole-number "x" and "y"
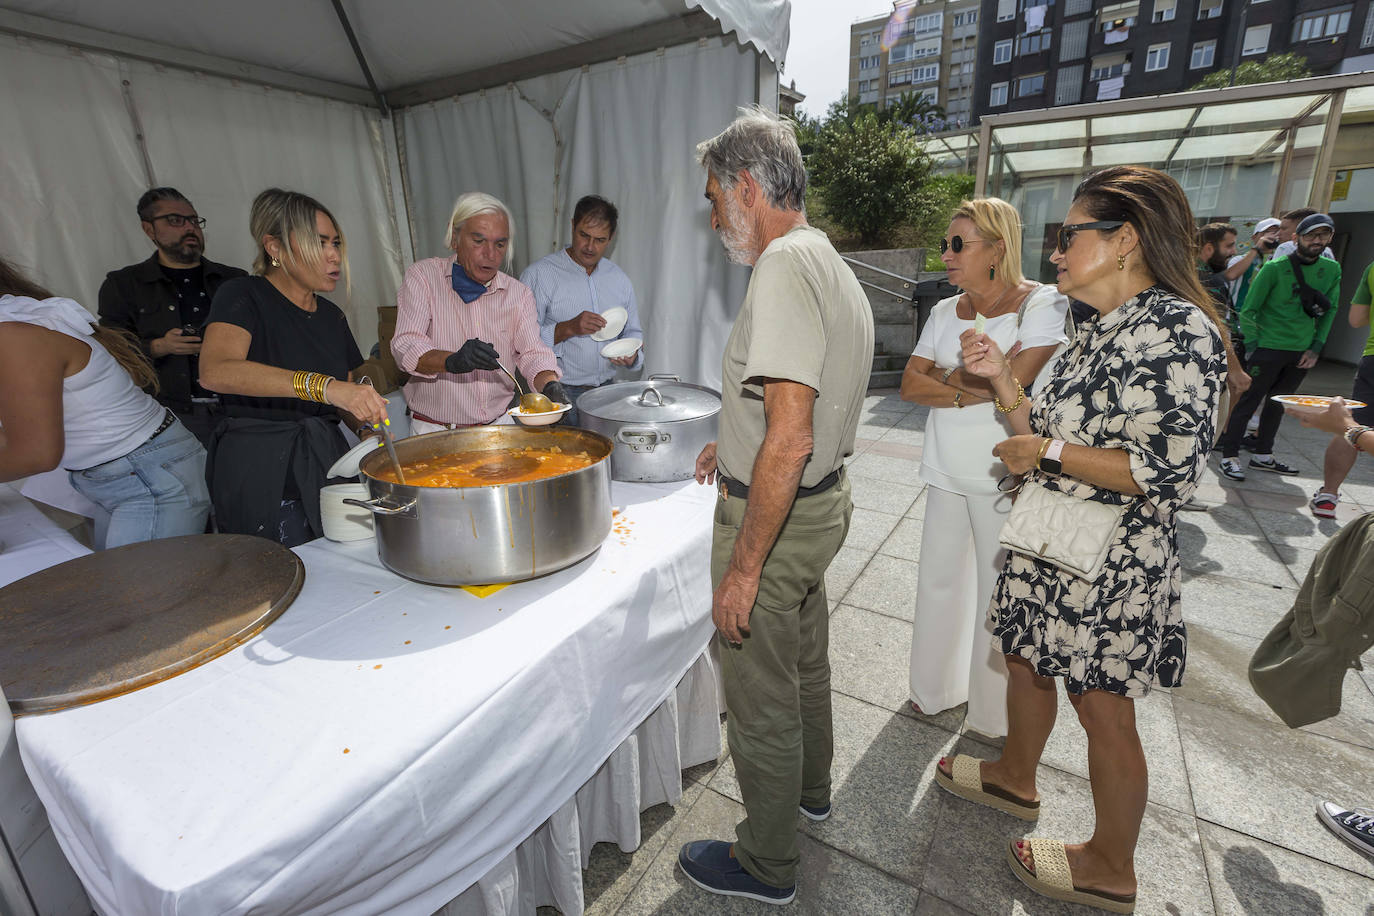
{"x": 1050, "y": 463}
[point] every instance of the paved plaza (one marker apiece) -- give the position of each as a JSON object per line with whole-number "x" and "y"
{"x": 1230, "y": 827}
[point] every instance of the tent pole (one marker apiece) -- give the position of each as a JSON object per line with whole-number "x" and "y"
{"x": 362, "y": 61}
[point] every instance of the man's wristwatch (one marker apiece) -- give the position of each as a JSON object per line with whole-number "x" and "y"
{"x": 1051, "y": 463}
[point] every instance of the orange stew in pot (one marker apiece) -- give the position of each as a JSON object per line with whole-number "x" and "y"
{"x": 489, "y": 467}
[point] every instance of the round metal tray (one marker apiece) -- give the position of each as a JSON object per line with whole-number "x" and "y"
{"x": 118, "y": 620}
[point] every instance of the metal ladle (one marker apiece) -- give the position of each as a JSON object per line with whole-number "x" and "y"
{"x": 530, "y": 401}
{"x": 385, "y": 430}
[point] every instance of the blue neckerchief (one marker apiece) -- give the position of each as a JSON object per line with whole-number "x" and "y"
{"x": 467, "y": 288}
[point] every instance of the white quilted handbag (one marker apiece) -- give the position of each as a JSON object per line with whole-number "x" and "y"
{"x": 1065, "y": 531}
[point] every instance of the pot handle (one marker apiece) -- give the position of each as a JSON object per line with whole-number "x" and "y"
{"x": 664, "y": 375}
{"x": 630, "y": 434}
{"x": 377, "y": 508}
{"x": 651, "y": 390}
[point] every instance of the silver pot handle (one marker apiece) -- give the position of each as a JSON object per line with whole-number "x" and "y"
{"x": 637, "y": 436}
{"x": 656, "y": 393}
{"x": 376, "y": 507}
{"x": 664, "y": 375}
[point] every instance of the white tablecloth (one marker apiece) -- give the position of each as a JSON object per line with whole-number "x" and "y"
{"x": 29, "y": 541}
{"x": 384, "y": 744}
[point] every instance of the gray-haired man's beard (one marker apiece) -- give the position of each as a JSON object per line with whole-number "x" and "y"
{"x": 735, "y": 240}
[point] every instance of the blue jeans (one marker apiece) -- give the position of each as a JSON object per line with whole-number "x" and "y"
{"x": 156, "y": 491}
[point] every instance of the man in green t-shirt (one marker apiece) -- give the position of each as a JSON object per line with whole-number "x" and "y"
{"x": 1288, "y": 312}
{"x": 1340, "y": 457}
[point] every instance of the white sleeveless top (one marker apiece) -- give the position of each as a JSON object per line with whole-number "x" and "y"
{"x": 957, "y": 455}
{"x": 104, "y": 414}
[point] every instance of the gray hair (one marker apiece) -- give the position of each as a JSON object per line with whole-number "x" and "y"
{"x": 472, "y": 204}
{"x": 766, "y": 146}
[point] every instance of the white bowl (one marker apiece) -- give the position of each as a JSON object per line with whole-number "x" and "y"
{"x": 615, "y": 323}
{"x": 347, "y": 465}
{"x": 547, "y": 418}
{"x": 342, "y": 522}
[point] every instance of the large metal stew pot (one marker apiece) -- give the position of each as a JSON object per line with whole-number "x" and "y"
{"x": 490, "y": 534}
{"x": 658, "y": 427}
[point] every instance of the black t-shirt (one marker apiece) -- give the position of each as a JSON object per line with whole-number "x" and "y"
{"x": 193, "y": 305}
{"x": 287, "y": 337}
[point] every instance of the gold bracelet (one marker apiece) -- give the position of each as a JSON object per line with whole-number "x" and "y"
{"x": 324, "y": 389}
{"x": 958, "y": 396}
{"x": 317, "y": 381}
{"x": 1044, "y": 447}
{"x": 298, "y": 381}
{"x": 1020, "y": 399}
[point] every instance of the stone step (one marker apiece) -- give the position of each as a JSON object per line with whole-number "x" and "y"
{"x": 888, "y": 362}
{"x": 886, "y": 379}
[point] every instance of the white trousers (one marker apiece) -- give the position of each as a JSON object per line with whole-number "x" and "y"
{"x": 954, "y": 657}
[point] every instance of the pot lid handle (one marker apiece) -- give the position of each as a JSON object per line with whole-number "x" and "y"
{"x": 664, "y": 375}
{"x": 651, "y": 390}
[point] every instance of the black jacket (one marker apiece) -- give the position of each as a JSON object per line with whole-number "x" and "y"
{"x": 250, "y": 462}
{"x": 139, "y": 298}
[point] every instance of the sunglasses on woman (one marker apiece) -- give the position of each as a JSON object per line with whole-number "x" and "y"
{"x": 956, "y": 243}
{"x": 1066, "y": 233}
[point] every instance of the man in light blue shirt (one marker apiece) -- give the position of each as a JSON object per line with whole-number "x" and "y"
{"x": 572, "y": 289}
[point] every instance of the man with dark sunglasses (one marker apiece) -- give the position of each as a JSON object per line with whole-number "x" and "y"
{"x": 165, "y": 300}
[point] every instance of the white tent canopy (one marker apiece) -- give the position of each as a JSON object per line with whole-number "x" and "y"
{"x": 535, "y": 102}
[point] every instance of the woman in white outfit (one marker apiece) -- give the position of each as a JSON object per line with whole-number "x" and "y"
{"x": 953, "y": 656}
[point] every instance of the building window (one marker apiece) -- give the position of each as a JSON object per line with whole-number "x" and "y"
{"x": 1367, "y": 37}
{"x": 1030, "y": 85}
{"x": 1109, "y": 65}
{"x": 927, "y": 74}
{"x": 1027, "y": 4}
{"x": 928, "y": 23}
{"x": 1204, "y": 52}
{"x": 1073, "y": 39}
{"x": 870, "y": 63}
{"x": 866, "y": 41}
{"x": 998, "y": 95}
{"x": 1256, "y": 40}
{"x": 1324, "y": 24}
{"x": 1068, "y": 85}
{"x": 901, "y": 54}
{"x": 971, "y": 17}
{"x": 1163, "y": 11}
{"x": 899, "y": 77}
{"x": 1006, "y": 10}
{"x": 1157, "y": 58}
{"x": 1208, "y": 9}
{"x": 1001, "y": 52}
{"x": 1075, "y": 7}
{"x": 1033, "y": 44}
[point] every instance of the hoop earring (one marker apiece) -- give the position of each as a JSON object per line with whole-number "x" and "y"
{"x": 1121, "y": 262}
{"x": 992, "y": 272}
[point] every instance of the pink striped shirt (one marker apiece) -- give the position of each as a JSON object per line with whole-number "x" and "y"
{"x": 431, "y": 316}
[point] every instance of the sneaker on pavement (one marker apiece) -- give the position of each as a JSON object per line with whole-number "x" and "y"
{"x": 1272, "y": 464}
{"x": 1355, "y": 826}
{"x": 712, "y": 866}
{"x": 814, "y": 813}
{"x": 1230, "y": 467}
{"x": 1323, "y": 504}
{"x": 1249, "y": 442}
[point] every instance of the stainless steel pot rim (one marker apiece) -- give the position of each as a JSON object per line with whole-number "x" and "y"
{"x": 654, "y": 401}
{"x": 516, "y": 432}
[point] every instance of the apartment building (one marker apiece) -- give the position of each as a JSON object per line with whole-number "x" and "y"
{"x": 1040, "y": 53}
{"x": 929, "y": 48}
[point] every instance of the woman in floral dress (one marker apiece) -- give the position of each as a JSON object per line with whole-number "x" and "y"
{"x": 1127, "y": 418}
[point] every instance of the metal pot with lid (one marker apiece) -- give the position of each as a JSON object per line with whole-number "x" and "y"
{"x": 658, "y": 427}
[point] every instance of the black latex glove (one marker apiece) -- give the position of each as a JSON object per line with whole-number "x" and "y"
{"x": 555, "y": 392}
{"x": 474, "y": 354}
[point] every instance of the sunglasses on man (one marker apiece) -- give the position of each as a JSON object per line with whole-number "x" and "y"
{"x": 1066, "y": 233}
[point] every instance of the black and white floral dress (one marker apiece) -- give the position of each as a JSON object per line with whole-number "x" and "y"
{"x": 1146, "y": 378}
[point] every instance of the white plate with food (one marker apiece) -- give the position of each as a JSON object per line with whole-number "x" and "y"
{"x": 615, "y": 323}
{"x": 619, "y": 349}
{"x": 538, "y": 418}
{"x": 1312, "y": 403}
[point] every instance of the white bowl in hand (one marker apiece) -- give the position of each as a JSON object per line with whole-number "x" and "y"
{"x": 542, "y": 418}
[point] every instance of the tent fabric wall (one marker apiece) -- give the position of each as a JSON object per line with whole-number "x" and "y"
{"x": 71, "y": 176}
{"x": 627, "y": 131}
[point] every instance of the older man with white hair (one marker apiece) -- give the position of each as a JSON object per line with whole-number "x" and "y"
{"x": 457, "y": 316}
{"x": 793, "y": 381}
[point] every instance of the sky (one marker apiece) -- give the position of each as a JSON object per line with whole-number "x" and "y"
{"x": 818, "y": 57}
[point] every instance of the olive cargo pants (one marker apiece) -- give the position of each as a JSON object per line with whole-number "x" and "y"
{"x": 777, "y": 685}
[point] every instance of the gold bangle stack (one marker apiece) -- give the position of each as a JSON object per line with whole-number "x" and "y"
{"x": 1020, "y": 399}
{"x": 311, "y": 386}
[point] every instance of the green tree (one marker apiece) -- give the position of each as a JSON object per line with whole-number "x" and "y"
{"x": 936, "y": 201}
{"x": 914, "y": 109}
{"x": 1274, "y": 69}
{"x": 869, "y": 175}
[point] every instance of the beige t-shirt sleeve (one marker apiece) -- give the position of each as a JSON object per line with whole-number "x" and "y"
{"x": 787, "y": 327}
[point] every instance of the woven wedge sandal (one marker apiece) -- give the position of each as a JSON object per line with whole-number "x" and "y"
{"x": 966, "y": 782}
{"x": 1052, "y": 877}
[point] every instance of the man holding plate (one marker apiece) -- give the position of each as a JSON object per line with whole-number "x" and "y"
{"x": 586, "y": 304}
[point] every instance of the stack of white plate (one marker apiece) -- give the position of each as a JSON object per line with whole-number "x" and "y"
{"x": 344, "y": 522}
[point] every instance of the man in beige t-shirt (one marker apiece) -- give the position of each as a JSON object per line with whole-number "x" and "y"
{"x": 795, "y": 373}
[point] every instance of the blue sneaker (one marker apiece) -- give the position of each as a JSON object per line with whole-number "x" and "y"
{"x": 817, "y": 814}
{"x": 711, "y": 866}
